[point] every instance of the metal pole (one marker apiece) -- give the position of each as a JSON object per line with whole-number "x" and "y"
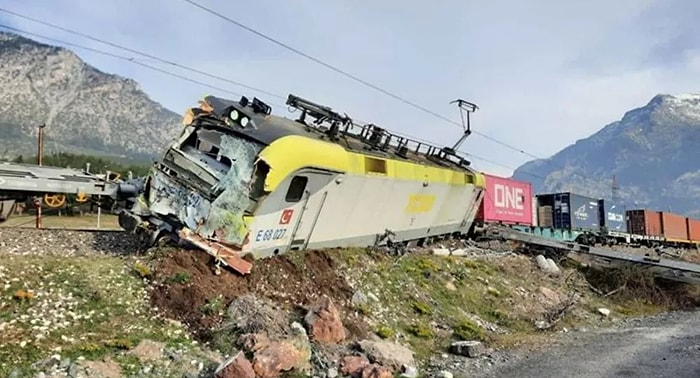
{"x": 40, "y": 158}
{"x": 99, "y": 209}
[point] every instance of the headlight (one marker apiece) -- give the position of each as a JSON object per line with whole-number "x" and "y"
{"x": 244, "y": 121}
{"x": 234, "y": 115}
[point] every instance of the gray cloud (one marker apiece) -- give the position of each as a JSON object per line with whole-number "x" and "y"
{"x": 544, "y": 73}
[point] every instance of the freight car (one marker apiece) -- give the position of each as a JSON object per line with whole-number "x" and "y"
{"x": 572, "y": 217}
{"x": 244, "y": 181}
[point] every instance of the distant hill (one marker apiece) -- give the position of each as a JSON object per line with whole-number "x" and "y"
{"x": 653, "y": 150}
{"x": 85, "y": 110}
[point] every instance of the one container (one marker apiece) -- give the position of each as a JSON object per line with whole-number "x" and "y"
{"x": 576, "y": 212}
{"x": 613, "y": 216}
{"x": 644, "y": 222}
{"x": 506, "y": 201}
{"x": 693, "y": 229}
{"x": 674, "y": 226}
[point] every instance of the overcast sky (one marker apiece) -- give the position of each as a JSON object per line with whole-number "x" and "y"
{"x": 544, "y": 73}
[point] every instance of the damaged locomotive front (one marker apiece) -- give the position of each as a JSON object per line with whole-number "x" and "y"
{"x": 208, "y": 181}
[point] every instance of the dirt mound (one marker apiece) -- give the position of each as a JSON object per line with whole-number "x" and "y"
{"x": 186, "y": 288}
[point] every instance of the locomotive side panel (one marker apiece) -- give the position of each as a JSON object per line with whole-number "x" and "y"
{"x": 352, "y": 210}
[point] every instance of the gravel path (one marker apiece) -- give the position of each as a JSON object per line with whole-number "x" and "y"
{"x": 27, "y": 241}
{"x": 666, "y": 345}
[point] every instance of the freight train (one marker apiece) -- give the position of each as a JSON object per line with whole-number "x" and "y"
{"x": 575, "y": 218}
{"x": 241, "y": 181}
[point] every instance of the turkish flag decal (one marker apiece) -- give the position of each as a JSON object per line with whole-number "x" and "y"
{"x": 286, "y": 216}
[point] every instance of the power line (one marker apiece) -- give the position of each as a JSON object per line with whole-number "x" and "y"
{"x": 353, "y": 77}
{"x": 212, "y": 75}
{"x": 140, "y": 53}
{"x": 131, "y": 60}
{"x": 128, "y": 59}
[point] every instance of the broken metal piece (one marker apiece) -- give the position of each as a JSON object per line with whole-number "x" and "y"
{"x": 222, "y": 254}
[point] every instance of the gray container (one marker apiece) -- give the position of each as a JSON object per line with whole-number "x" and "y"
{"x": 576, "y": 212}
{"x": 613, "y": 216}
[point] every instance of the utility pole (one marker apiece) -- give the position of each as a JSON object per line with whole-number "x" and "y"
{"x": 615, "y": 189}
{"x": 40, "y": 158}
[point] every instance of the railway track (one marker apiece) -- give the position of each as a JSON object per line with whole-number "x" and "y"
{"x": 669, "y": 269}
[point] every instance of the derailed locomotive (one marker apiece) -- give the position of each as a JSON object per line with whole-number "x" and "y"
{"x": 241, "y": 181}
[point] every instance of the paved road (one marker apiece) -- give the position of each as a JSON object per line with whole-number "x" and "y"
{"x": 665, "y": 346}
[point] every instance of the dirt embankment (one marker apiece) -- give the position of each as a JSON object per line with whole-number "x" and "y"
{"x": 292, "y": 284}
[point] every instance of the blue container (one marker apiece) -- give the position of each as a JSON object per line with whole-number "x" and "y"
{"x": 613, "y": 216}
{"x": 576, "y": 212}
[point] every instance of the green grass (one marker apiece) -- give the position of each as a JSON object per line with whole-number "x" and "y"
{"x": 81, "y": 307}
{"x": 435, "y": 300}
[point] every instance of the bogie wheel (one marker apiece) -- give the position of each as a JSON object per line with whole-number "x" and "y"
{"x": 81, "y": 197}
{"x": 54, "y": 200}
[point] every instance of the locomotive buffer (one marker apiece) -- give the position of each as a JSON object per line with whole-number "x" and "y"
{"x": 668, "y": 269}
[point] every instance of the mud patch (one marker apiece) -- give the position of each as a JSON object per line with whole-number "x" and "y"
{"x": 185, "y": 288}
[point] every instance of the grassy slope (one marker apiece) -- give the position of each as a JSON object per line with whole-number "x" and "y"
{"x": 434, "y": 300}
{"x": 427, "y": 301}
{"x": 85, "y": 307}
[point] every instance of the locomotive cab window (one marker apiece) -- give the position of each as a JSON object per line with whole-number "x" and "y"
{"x": 296, "y": 188}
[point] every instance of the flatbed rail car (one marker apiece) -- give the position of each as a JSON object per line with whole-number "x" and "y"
{"x": 669, "y": 269}
{"x": 241, "y": 181}
{"x": 49, "y": 186}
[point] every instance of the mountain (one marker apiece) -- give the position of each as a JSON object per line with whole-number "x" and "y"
{"x": 654, "y": 151}
{"x": 85, "y": 110}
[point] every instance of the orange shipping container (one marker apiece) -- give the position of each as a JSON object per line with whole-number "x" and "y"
{"x": 644, "y": 222}
{"x": 674, "y": 226}
{"x": 694, "y": 229}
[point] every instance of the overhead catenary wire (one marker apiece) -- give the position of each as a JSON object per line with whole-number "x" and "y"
{"x": 128, "y": 59}
{"x": 134, "y": 61}
{"x": 351, "y": 76}
{"x": 151, "y": 56}
{"x": 179, "y": 65}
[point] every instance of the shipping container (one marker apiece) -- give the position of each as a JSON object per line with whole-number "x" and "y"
{"x": 613, "y": 216}
{"x": 693, "y": 229}
{"x": 506, "y": 201}
{"x": 572, "y": 211}
{"x": 644, "y": 222}
{"x": 674, "y": 226}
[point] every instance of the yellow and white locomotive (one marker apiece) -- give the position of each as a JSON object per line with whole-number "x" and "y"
{"x": 240, "y": 181}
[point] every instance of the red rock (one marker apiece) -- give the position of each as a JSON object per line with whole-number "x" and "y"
{"x": 377, "y": 371}
{"x": 239, "y": 367}
{"x": 276, "y": 357}
{"x": 324, "y": 322}
{"x": 353, "y": 365}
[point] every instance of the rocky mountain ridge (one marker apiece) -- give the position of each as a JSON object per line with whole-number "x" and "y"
{"x": 85, "y": 110}
{"x": 653, "y": 151}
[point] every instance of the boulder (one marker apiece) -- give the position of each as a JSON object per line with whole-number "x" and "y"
{"x": 237, "y": 366}
{"x": 324, "y": 322}
{"x": 388, "y": 353}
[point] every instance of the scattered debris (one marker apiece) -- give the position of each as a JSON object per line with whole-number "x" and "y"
{"x": 604, "y": 311}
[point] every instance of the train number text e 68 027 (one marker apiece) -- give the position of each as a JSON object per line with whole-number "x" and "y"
{"x": 273, "y": 234}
